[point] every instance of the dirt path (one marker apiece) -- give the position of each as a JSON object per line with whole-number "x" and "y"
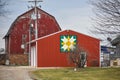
{"x": 15, "y": 73}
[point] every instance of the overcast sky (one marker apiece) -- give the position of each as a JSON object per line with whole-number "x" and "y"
{"x": 70, "y": 14}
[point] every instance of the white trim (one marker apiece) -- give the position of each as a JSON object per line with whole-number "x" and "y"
{"x": 57, "y": 33}
{"x": 36, "y": 54}
{"x": 44, "y": 37}
{"x": 50, "y": 34}
{"x": 100, "y": 56}
{"x": 67, "y": 31}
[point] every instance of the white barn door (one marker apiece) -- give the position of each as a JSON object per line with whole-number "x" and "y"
{"x": 33, "y": 56}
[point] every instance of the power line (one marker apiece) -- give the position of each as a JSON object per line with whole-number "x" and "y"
{"x": 35, "y": 2}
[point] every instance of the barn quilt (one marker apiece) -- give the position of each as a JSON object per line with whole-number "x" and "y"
{"x": 67, "y": 43}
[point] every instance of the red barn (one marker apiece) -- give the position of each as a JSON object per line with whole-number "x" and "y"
{"x": 19, "y": 32}
{"x": 50, "y": 53}
{"x": 50, "y": 48}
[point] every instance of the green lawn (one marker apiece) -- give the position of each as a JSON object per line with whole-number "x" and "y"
{"x": 82, "y": 74}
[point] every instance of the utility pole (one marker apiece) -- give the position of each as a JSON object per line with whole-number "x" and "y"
{"x": 35, "y": 15}
{"x": 35, "y": 2}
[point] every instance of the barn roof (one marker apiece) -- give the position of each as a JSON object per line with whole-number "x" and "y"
{"x": 58, "y": 32}
{"x": 67, "y": 31}
{"x": 9, "y": 31}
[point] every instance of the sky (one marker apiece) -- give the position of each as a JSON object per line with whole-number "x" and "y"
{"x": 70, "y": 14}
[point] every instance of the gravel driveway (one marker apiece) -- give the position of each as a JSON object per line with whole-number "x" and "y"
{"x": 15, "y": 73}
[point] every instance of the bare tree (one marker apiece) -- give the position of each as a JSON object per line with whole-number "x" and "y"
{"x": 3, "y": 3}
{"x": 78, "y": 56}
{"x": 107, "y": 16}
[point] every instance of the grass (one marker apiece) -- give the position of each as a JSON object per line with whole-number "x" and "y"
{"x": 82, "y": 74}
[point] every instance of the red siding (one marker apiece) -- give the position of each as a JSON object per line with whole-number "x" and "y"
{"x": 49, "y": 54}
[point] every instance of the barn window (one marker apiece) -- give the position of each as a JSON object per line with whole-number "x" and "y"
{"x": 67, "y": 43}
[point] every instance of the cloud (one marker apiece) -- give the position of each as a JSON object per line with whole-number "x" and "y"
{"x": 75, "y": 18}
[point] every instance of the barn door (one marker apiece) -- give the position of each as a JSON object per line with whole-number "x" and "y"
{"x": 33, "y": 56}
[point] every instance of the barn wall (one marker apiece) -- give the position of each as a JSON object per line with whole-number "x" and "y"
{"x": 49, "y": 54}
{"x": 18, "y": 59}
{"x": 16, "y": 41}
